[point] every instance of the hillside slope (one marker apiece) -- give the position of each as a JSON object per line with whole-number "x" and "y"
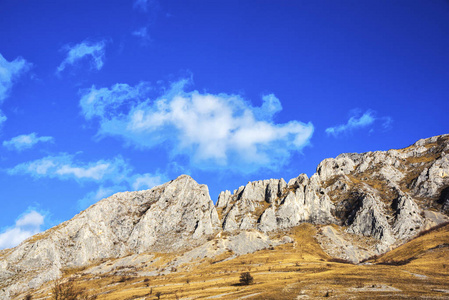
{"x": 298, "y": 270}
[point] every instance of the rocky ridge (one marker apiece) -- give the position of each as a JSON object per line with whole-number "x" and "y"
{"x": 386, "y": 196}
{"x": 363, "y": 204}
{"x": 170, "y": 217}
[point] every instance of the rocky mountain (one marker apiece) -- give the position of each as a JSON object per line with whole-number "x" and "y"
{"x": 362, "y": 205}
{"x": 386, "y": 195}
{"x": 170, "y": 217}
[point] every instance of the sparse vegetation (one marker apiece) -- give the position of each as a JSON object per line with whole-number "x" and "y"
{"x": 246, "y": 278}
{"x": 68, "y": 291}
{"x": 295, "y": 270}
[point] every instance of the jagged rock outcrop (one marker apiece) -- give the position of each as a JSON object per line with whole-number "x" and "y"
{"x": 388, "y": 195}
{"x": 167, "y": 218}
{"x": 269, "y": 205}
{"x": 408, "y": 216}
{"x": 370, "y": 220}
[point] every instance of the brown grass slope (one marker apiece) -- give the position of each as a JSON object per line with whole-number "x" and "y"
{"x": 296, "y": 270}
{"x": 420, "y": 249}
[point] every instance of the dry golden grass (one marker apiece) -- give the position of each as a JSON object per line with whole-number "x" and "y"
{"x": 220, "y": 213}
{"x": 260, "y": 208}
{"x": 418, "y": 246}
{"x": 287, "y": 272}
{"x": 71, "y": 271}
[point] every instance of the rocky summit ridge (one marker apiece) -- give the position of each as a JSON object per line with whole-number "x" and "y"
{"x": 362, "y": 204}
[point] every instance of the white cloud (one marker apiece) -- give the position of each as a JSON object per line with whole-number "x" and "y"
{"x": 134, "y": 182}
{"x": 103, "y": 172}
{"x": 101, "y": 193}
{"x": 94, "y": 51}
{"x": 105, "y": 102}
{"x": 32, "y": 218}
{"x": 386, "y": 123}
{"x": 145, "y": 5}
{"x": 213, "y": 130}
{"x": 3, "y": 118}
{"x": 26, "y": 141}
{"x": 141, "y": 4}
{"x": 270, "y": 107}
{"x": 146, "y": 181}
{"x": 27, "y": 225}
{"x": 355, "y": 122}
{"x": 95, "y": 172}
{"x": 9, "y": 72}
{"x": 142, "y": 33}
{"x": 64, "y": 166}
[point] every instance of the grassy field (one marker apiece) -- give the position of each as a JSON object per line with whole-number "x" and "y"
{"x": 299, "y": 270}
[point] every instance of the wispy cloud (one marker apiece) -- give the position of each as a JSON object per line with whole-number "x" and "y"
{"x": 3, "y": 118}
{"x": 101, "y": 193}
{"x": 142, "y": 33}
{"x": 354, "y": 122}
{"x": 146, "y": 181}
{"x": 359, "y": 121}
{"x": 27, "y": 225}
{"x": 26, "y": 141}
{"x": 387, "y": 123}
{"x": 141, "y": 4}
{"x": 145, "y": 5}
{"x": 134, "y": 182}
{"x": 112, "y": 176}
{"x": 65, "y": 166}
{"x": 95, "y": 52}
{"x": 9, "y": 72}
{"x": 213, "y": 130}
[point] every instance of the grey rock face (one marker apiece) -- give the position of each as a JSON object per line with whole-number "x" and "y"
{"x": 269, "y": 205}
{"x": 370, "y": 220}
{"x": 183, "y": 211}
{"x": 433, "y": 178}
{"x": 385, "y": 195}
{"x": 398, "y": 188}
{"x": 330, "y": 167}
{"x": 173, "y": 216}
{"x": 223, "y": 199}
{"x": 334, "y": 241}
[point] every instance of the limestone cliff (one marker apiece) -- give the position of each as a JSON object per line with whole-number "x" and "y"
{"x": 389, "y": 196}
{"x": 167, "y": 218}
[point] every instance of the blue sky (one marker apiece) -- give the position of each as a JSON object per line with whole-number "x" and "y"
{"x": 99, "y": 97}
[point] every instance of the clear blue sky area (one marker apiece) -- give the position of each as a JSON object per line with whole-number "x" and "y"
{"x": 98, "y": 97}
